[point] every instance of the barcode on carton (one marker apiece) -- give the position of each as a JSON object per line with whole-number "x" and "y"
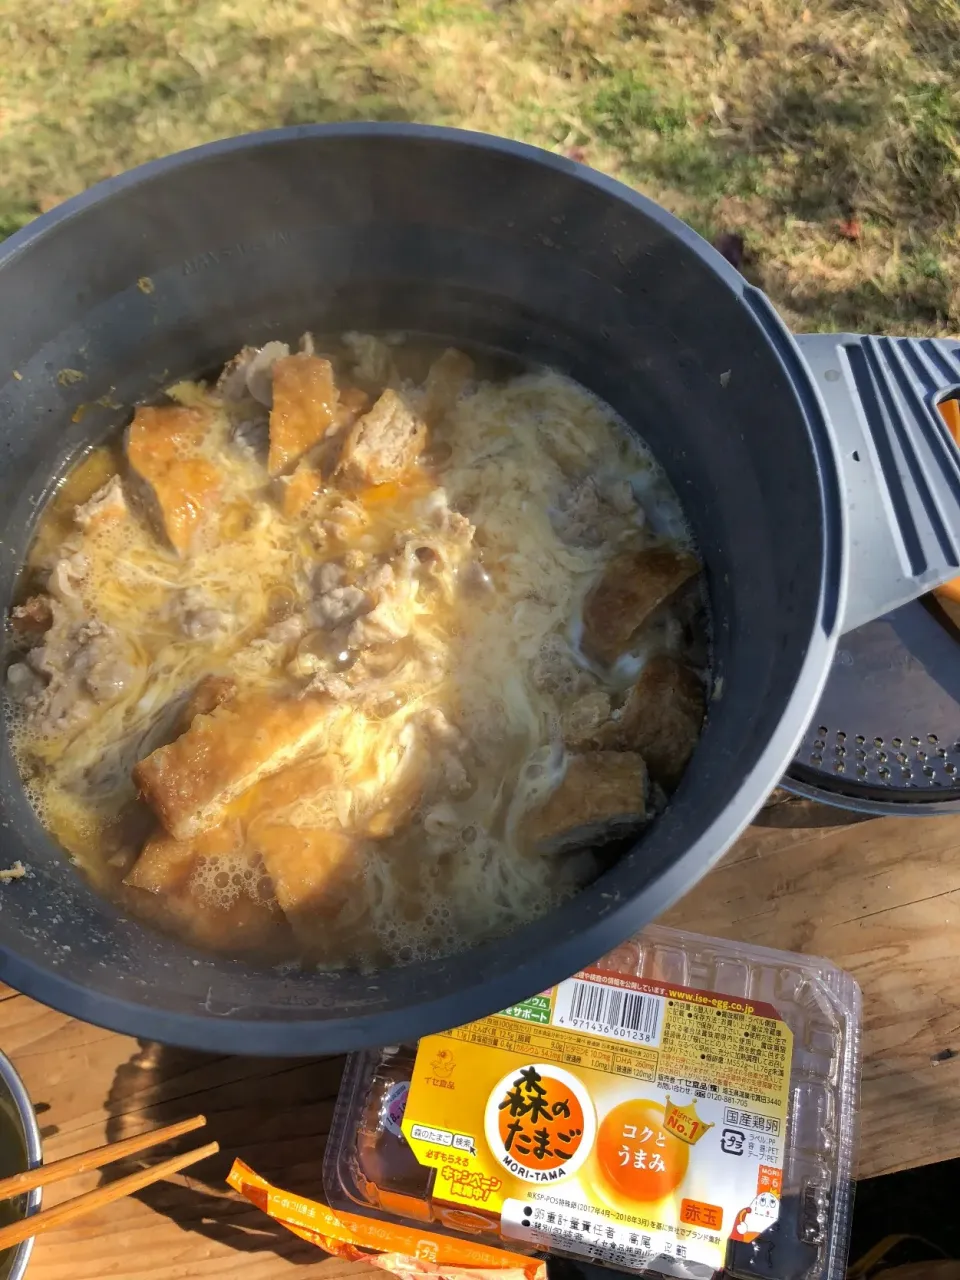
{"x": 614, "y": 1012}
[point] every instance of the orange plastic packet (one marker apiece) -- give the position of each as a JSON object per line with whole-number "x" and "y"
{"x": 950, "y": 412}
{"x": 405, "y": 1252}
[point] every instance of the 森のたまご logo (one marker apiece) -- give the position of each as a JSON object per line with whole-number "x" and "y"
{"x": 540, "y": 1123}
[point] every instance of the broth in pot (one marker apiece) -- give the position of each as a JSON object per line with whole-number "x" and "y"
{"x": 359, "y": 654}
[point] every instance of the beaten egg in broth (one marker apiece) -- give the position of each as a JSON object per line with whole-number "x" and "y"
{"x": 353, "y": 678}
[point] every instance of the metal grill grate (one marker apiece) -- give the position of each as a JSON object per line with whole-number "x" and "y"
{"x": 888, "y": 724}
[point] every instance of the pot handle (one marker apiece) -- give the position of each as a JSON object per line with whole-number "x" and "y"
{"x": 899, "y": 463}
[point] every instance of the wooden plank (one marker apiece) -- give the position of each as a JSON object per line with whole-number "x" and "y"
{"x": 95, "y": 1086}
{"x": 881, "y": 898}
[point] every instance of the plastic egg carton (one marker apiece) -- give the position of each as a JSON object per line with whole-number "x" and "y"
{"x": 371, "y": 1169}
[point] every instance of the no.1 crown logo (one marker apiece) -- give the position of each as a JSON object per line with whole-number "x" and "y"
{"x": 539, "y": 1123}
{"x": 684, "y": 1122}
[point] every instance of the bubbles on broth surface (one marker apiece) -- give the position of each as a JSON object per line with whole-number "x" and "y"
{"x": 218, "y": 880}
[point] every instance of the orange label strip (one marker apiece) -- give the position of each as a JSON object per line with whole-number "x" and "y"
{"x": 950, "y": 412}
{"x": 321, "y": 1225}
{"x": 697, "y": 1213}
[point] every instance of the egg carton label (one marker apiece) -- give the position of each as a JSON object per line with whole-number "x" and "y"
{"x": 630, "y": 1120}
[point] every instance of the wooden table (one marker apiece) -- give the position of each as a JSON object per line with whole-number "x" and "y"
{"x": 881, "y": 898}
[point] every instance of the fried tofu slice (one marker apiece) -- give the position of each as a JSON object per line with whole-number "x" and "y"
{"x": 299, "y": 490}
{"x": 305, "y": 400}
{"x": 181, "y": 488}
{"x": 165, "y": 865}
{"x": 187, "y": 877}
{"x": 286, "y": 787}
{"x": 661, "y": 718}
{"x": 383, "y": 444}
{"x": 633, "y": 586}
{"x": 190, "y": 782}
{"x": 448, "y": 376}
{"x": 314, "y": 872}
{"x": 602, "y": 796}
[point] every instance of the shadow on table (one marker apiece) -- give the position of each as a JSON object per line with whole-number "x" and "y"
{"x": 274, "y": 1113}
{"x": 788, "y": 811}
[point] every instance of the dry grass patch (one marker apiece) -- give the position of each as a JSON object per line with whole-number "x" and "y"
{"x": 824, "y": 133}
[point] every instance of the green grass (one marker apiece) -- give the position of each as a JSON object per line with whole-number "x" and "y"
{"x": 826, "y": 133}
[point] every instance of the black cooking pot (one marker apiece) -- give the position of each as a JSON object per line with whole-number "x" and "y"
{"x": 172, "y": 268}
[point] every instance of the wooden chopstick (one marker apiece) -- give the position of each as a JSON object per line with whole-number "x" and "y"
{"x": 42, "y": 1176}
{"x": 67, "y": 1212}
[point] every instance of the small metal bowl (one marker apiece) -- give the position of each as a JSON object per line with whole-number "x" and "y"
{"x": 20, "y": 1148}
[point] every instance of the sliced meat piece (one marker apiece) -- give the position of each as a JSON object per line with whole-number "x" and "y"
{"x": 448, "y": 747}
{"x": 448, "y": 376}
{"x": 103, "y": 670}
{"x": 190, "y": 782}
{"x": 453, "y": 524}
{"x": 211, "y": 692}
{"x": 555, "y": 671}
{"x": 338, "y": 606}
{"x": 383, "y": 444}
{"x": 165, "y": 865}
{"x": 315, "y": 872}
{"x": 329, "y": 575}
{"x": 81, "y": 662}
{"x": 390, "y": 620}
{"x": 329, "y": 683}
{"x": 661, "y": 718}
{"x": 304, "y": 408}
{"x": 232, "y": 383}
{"x": 353, "y": 402}
{"x": 260, "y": 369}
{"x": 299, "y": 490}
{"x": 589, "y": 515}
{"x": 619, "y": 495}
{"x": 633, "y": 585}
{"x": 23, "y": 684}
{"x": 373, "y": 365}
{"x": 66, "y": 578}
{"x": 602, "y": 796}
{"x": 287, "y": 631}
{"x": 343, "y": 521}
{"x": 442, "y": 731}
{"x": 197, "y": 615}
{"x": 582, "y": 720}
{"x": 105, "y": 506}
{"x": 32, "y": 619}
{"x": 182, "y": 489}
{"x": 389, "y": 612}
{"x": 250, "y": 432}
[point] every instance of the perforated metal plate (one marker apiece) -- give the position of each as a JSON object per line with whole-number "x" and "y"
{"x": 887, "y": 730}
